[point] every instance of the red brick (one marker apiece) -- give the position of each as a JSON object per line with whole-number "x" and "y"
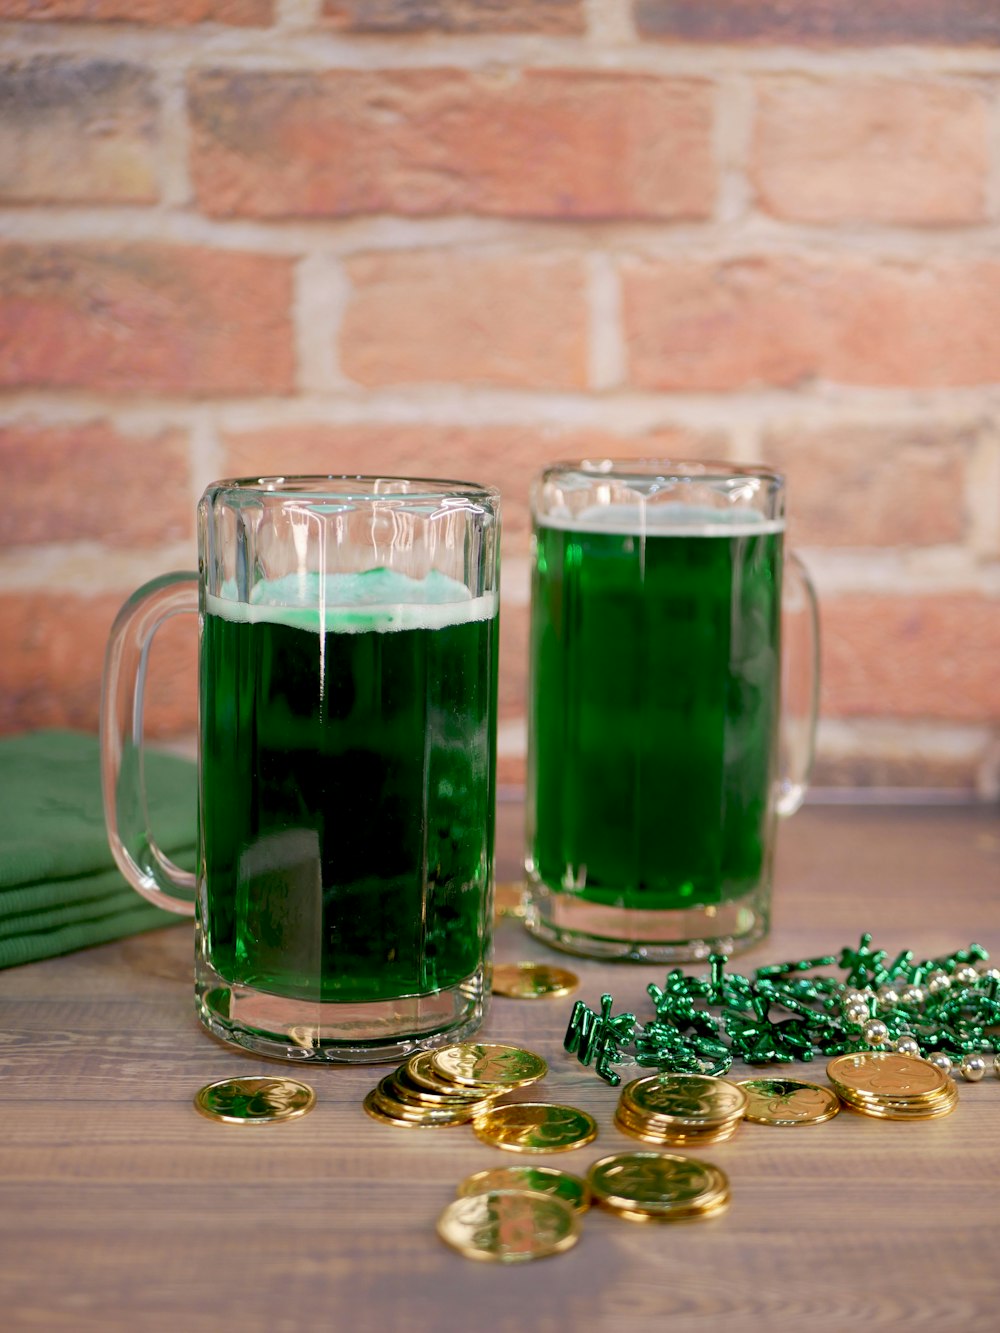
{"x": 775, "y": 320}
{"x": 911, "y": 657}
{"x": 856, "y": 485}
{"x": 50, "y": 668}
{"x": 468, "y": 319}
{"x": 77, "y": 131}
{"x": 544, "y": 143}
{"x": 507, "y": 456}
{"x": 90, "y": 483}
{"x": 512, "y": 671}
{"x": 145, "y": 319}
{"x": 465, "y": 16}
{"x": 168, "y": 13}
{"x": 823, "y": 22}
{"x": 870, "y": 150}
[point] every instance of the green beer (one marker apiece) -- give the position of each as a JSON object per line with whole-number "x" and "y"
{"x": 348, "y": 729}
{"x": 655, "y": 658}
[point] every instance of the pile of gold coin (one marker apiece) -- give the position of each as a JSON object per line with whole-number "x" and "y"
{"x": 680, "y": 1109}
{"x": 452, "y": 1085}
{"x": 658, "y": 1187}
{"x": 892, "y": 1086}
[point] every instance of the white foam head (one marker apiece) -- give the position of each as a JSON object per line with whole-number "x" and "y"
{"x": 378, "y": 599}
{"x": 663, "y": 520}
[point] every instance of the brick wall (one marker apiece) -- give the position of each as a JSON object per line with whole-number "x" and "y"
{"x": 464, "y": 237}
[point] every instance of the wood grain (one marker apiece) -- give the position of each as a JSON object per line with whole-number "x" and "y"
{"x": 120, "y": 1207}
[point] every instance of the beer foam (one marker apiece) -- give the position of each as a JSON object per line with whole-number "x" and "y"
{"x": 378, "y": 599}
{"x": 664, "y": 520}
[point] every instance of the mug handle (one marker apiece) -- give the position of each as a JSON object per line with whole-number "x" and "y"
{"x": 799, "y": 685}
{"x": 126, "y": 814}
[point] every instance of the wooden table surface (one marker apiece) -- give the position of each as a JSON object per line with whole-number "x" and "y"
{"x": 121, "y": 1207}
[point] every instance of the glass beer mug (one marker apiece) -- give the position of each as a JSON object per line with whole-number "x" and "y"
{"x": 347, "y": 720}
{"x": 660, "y": 751}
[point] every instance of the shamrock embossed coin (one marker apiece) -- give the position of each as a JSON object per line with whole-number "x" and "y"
{"x": 508, "y": 1226}
{"x": 477, "y": 1065}
{"x": 254, "y": 1101}
{"x": 540, "y": 1179}
{"x": 788, "y": 1101}
{"x": 535, "y": 1127}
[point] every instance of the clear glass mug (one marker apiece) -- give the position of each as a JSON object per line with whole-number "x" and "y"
{"x": 662, "y": 742}
{"x": 347, "y": 724}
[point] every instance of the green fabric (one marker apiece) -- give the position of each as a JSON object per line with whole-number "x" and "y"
{"x": 59, "y": 887}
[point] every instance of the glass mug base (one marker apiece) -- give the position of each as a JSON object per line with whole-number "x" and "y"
{"x": 594, "y": 930}
{"x": 310, "y": 1031}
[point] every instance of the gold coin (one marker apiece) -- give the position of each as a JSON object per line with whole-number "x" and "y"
{"x": 508, "y": 900}
{"x": 685, "y": 1100}
{"x": 533, "y": 981}
{"x": 386, "y": 1101}
{"x": 255, "y": 1101}
{"x": 400, "y": 1085}
{"x": 473, "y": 1064}
{"x": 539, "y": 1179}
{"x": 946, "y": 1095}
{"x": 373, "y": 1106}
{"x": 535, "y": 1127}
{"x": 897, "y": 1109}
{"x": 419, "y": 1070}
{"x": 888, "y": 1113}
{"x": 788, "y": 1101}
{"x": 648, "y": 1133}
{"x": 663, "y": 1184}
{"x": 508, "y": 1226}
{"x": 886, "y": 1074}
{"x": 718, "y": 1205}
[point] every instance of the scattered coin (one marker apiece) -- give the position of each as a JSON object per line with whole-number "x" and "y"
{"x": 535, "y": 1127}
{"x": 533, "y": 981}
{"x": 508, "y": 1226}
{"x": 539, "y": 1179}
{"x": 788, "y": 1101}
{"x": 476, "y": 1065}
{"x": 661, "y": 1187}
{"x": 254, "y": 1101}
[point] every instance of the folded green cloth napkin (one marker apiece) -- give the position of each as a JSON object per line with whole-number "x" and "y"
{"x": 59, "y": 887}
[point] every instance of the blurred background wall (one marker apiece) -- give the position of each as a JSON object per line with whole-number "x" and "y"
{"x": 465, "y": 237}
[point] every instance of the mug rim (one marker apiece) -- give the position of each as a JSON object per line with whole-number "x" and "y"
{"x": 353, "y": 486}
{"x": 665, "y": 469}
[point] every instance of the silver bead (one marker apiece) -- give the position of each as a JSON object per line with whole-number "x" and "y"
{"x": 973, "y": 1067}
{"x": 966, "y": 975}
{"x": 938, "y": 982}
{"x": 875, "y": 1032}
{"x": 913, "y": 995}
{"x": 907, "y": 1046}
{"x": 990, "y": 974}
{"x": 851, "y": 995}
{"x": 856, "y": 1014}
{"x": 996, "y": 1064}
{"x": 940, "y": 1060}
{"x": 887, "y": 996}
